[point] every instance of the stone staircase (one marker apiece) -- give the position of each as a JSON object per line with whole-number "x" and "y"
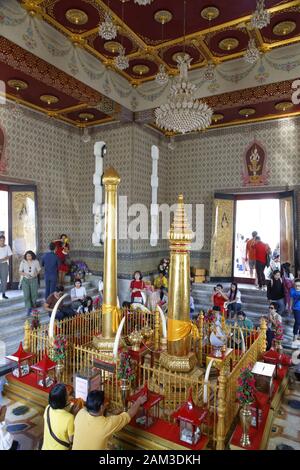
{"x": 254, "y": 304}
{"x": 13, "y": 314}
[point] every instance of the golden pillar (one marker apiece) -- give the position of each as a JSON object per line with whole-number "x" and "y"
{"x": 110, "y": 312}
{"x": 179, "y": 357}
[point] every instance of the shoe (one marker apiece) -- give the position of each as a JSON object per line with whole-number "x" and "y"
{"x": 4, "y": 296}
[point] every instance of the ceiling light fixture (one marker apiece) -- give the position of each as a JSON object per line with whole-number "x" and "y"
{"x": 143, "y": 2}
{"x": 85, "y": 136}
{"x": 183, "y": 113}
{"x": 261, "y": 17}
{"x": 162, "y": 77}
{"x": 252, "y": 53}
{"x": 121, "y": 61}
{"x": 108, "y": 29}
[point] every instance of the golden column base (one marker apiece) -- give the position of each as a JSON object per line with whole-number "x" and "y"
{"x": 103, "y": 344}
{"x": 178, "y": 363}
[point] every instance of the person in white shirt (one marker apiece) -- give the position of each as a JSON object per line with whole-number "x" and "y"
{"x": 100, "y": 289}
{"x": 274, "y": 266}
{"x": 234, "y": 303}
{"x": 29, "y": 271}
{"x": 5, "y": 254}
{"x": 78, "y": 294}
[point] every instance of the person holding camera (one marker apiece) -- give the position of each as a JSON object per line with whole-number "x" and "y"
{"x": 219, "y": 297}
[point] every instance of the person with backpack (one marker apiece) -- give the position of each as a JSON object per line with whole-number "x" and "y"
{"x": 275, "y": 291}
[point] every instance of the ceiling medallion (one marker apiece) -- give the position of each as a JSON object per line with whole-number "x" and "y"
{"x": 246, "y": 112}
{"x": 252, "y": 53}
{"x": 284, "y": 28}
{"x": 143, "y": 2}
{"x": 183, "y": 113}
{"x": 112, "y": 46}
{"x": 162, "y": 77}
{"x": 163, "y": 16}
{"x": 210, "y": 13}
{"x": 86, "y": 116}
{"x": 217, "y": 117}
{"x": 228, "y": 44}
{"x": 261, "y": 17}
{"x": 17, "y": 84}
{"x": 121, "y": 61}
{"x": 75, "y": 16}
{"x": 140, "y": 69}
{"x": 283, "y": 105}
{"x": 49, "y": 99}
{"x": 107, "y": 29}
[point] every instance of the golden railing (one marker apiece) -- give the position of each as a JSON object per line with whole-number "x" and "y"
{"x": 137, "y": 319}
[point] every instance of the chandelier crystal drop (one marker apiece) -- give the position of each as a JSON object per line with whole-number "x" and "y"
{"x": 121, "y": 61}
{"x": 252, "y": 53}
{"x": 162, "y": 77}
{"x": 85, "y": 136}
{"x": 143, "y": 2}
{"x": 107, "y": 29}
{"x": 261, "y": 17}
{"x": 183, "y": 113}
{"x": 210, "y": 73}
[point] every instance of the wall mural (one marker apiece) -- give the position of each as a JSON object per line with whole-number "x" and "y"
{"x": 255, "y": 172}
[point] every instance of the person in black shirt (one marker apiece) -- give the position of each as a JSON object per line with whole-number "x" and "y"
{"x": 275, "y": 291}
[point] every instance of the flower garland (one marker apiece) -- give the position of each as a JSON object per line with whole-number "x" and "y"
{"x": 126, "y": 370}
{"x": 59, "y": 348}
{"x": 210, "y": 316}
{"x": 246, "y": 386}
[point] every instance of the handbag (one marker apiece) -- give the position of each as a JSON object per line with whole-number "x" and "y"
{"x": 62, "y": 443}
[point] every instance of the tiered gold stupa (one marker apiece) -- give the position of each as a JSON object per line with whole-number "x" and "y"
{"x": 179, "y": 357}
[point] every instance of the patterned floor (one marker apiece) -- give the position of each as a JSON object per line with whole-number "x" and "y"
{"x": 285, "y": 433}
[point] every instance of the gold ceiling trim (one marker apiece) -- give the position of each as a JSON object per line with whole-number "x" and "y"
{"x": 268, "y": 117}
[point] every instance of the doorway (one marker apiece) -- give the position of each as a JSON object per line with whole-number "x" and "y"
{"x": 261, "y": 216}
{"x": 18, "y": 223}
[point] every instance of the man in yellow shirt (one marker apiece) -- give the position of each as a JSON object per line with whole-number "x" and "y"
{"x": 161, "y": 281}
{"x": 92, "y": 429}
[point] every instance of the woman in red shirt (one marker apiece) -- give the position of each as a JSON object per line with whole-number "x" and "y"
{"x": 62, "y": 252}
{"x": 137, "y": 285}
{"x": 219, "y": 297}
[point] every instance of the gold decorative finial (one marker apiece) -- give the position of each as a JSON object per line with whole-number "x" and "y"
{"x": 180, "y": 232}
{"x": 111, "y": 176}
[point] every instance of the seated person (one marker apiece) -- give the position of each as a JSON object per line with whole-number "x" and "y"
{"x": 86, "y": 305}
{"x": 93, "y": 429}
{"x": 242, "y": 321}
{"x": 78, "y": 294}
{"x": 137, "y": 286}
{"x": 234, "y": 303}
{"x": 274, "y": 319}
{"x": 161, "y": 281}
{"x": 219, "y": 297}
{"x": 64, "y": 311}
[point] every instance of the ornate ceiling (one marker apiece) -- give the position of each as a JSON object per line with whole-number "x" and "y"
{"x": 216, "y": 32}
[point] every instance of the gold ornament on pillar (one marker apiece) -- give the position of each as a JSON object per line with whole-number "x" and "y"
{"x": 110, "y": 311}
{"x": 179, "y": 357}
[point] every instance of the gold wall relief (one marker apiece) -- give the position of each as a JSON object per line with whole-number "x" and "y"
{"x": 222, "y": 236}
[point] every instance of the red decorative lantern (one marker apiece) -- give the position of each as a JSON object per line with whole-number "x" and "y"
{"x": 23, "y": 359}
{"x": 190, "y": 418}
{"x": 150, "y": 409}
{"x": 45, "y": 372}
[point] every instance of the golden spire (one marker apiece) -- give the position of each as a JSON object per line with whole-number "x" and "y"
{"x": 180, "y": 232}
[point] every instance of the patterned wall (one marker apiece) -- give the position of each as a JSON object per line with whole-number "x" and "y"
{"x": 212, "y": 161}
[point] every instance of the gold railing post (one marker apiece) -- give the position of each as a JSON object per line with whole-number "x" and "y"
{"x": 263, "y": 336}
{"x": 201, "y": 337}
{"x": 222, "y": 381}
{"x": 27, "y": 336}
{"x": 157, "y": 331}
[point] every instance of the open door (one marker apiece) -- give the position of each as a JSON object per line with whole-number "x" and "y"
{"x": 221, "y": 259}
{"x": 23, "y": 226}
{"x": 287, "y": 229}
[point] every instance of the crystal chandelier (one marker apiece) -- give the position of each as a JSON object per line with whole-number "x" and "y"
{"x": 85, "y": 136}
{"x": 107, "y": 29}
{"x": 162, "y": 77}
{"x": 183, "y": 113}
{"x": 252, "y": 53}
{"x": 143, "y": 2}
{"x": 261, "y": 17}
{"x": 210, "y": 74}
{"x": 121, "y": 61}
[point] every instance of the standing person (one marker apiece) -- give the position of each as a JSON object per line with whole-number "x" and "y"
{"x": 50, "y": 263}
{"x": 29, "y": 270}
{"x": 275, "y": 291}
{"x": 250, "y": 253}
{"x": 274, "y": 266}
{"x": 58, "y": 422}
{"x": 62, "y": 252}
{"x": 137, "y": 285}
{"x": 274, "y": 320}
{"x": 234, "y": 303}
{"x": 219, "y": 297}
{"x": 295, "y": 296}
{"x": 288, "y": 283}
{"x": 5, "y": 254}
{"x": 93, "y": 429}
{"x": 261, "y": 250}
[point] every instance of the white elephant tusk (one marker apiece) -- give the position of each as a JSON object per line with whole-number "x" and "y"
{"x": 52, "y": 318}
{"x": 163, "y": 321}
{"x": 117, "y": 338}
{"x": 205, "y": 388}
{"x": 243, "y": 341}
